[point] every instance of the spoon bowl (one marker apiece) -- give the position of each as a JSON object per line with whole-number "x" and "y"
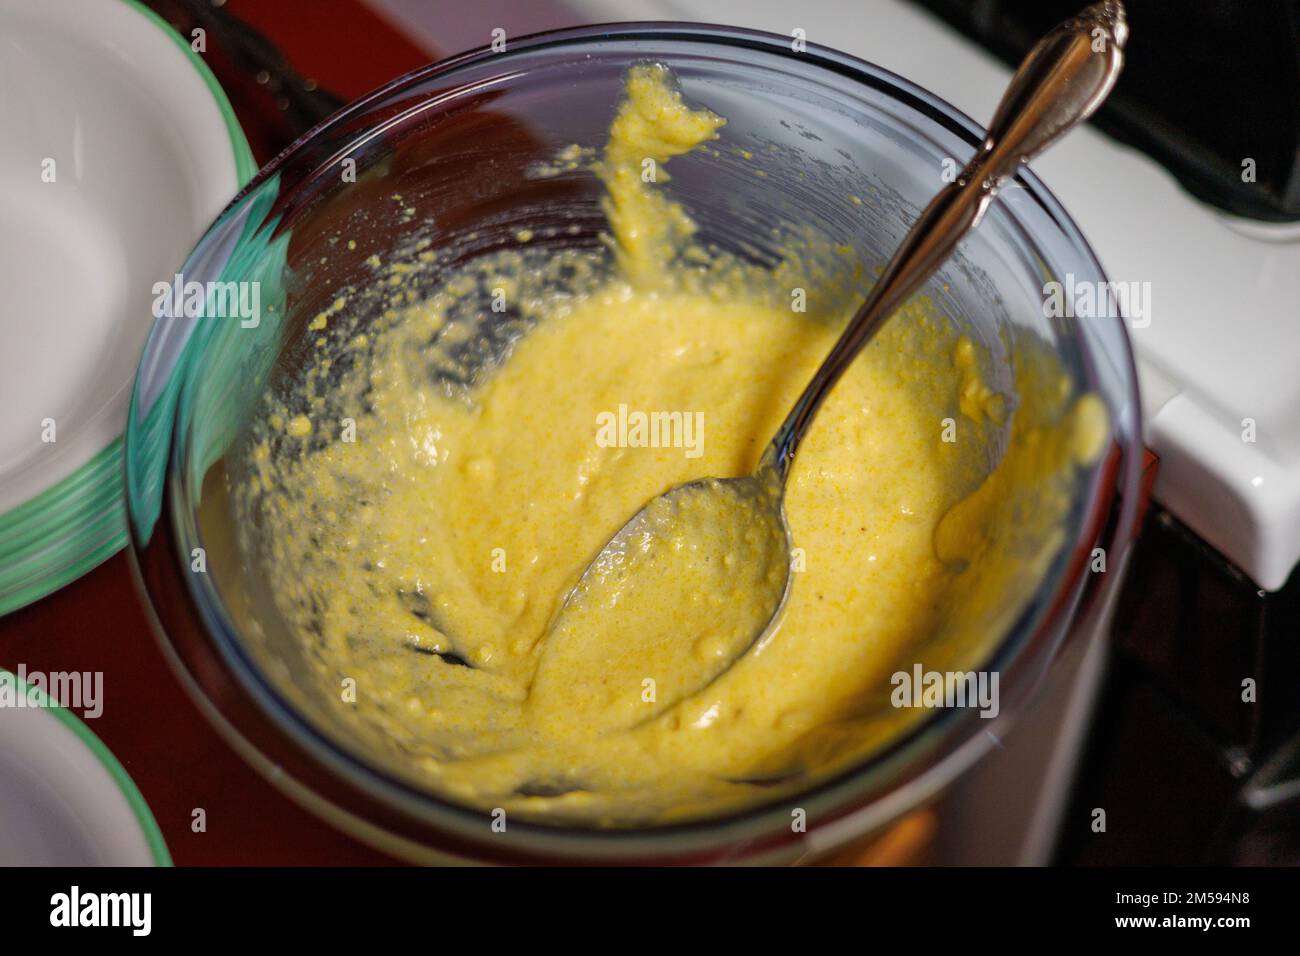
{"x": 703, "y": 570}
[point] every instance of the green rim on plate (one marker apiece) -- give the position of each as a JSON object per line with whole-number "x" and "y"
{"x": 80, "y": 521}
{"x": 143, "y": 815}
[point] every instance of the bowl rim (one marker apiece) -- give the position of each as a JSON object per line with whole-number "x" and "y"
{"x": 1043, "y": 620}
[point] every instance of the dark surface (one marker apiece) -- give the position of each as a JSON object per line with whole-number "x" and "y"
{"x": 1207, "y": 84}
{"x": 1186, "y": 770}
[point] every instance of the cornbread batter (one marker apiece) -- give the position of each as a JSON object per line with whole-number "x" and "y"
{"x": 421, "y": 563}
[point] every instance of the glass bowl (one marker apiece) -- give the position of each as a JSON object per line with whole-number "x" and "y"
{"x": 459, "y": 142}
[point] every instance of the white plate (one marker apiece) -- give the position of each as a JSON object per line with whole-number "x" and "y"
{"x": 64, "y": 798}
{"x": 145, "y": 153}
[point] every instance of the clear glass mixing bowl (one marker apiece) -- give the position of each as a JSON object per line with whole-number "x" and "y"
{"x": 456, "y": 141}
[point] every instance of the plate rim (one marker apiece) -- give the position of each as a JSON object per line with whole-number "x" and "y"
{"x": 73, "y": 540}
{"x": 117, "y": 774}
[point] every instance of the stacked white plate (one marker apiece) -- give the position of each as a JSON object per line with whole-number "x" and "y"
{"x": 117, "y": 149}
{"x": 64, "y": 799}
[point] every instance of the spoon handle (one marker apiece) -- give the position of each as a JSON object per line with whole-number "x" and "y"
{"x": 1065, "y": 77}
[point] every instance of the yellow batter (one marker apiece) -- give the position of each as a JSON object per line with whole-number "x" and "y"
{"x": 422, "y": 561}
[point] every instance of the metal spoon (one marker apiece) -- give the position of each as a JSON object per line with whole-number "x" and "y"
{"x": 602, "y": 678}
